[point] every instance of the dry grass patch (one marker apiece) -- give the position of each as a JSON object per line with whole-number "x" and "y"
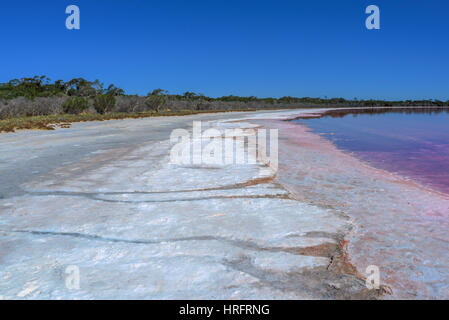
{"x": 49, "y": 122}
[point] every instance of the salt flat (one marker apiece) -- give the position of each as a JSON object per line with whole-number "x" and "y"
{"x": 103, "y": 197}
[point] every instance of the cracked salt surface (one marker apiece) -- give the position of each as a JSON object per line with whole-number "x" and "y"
{"x": 140, "y": 227}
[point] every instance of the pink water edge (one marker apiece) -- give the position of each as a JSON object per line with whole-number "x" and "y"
{"x": 398, "y": 224}
{"x": 413, "y": 142}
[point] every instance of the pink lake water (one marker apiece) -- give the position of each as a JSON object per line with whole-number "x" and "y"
{"x": 396, "y": 224}
{"x": 413, "y": 144}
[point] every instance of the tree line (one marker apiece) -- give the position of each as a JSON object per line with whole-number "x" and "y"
{"x": 41, "y": 86}
{"x": 81, "y": 95}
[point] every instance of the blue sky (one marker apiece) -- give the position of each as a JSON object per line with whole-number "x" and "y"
{"x": 264, "y": 48}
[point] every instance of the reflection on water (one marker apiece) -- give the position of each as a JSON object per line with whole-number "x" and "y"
{"x": 411, "y": 142}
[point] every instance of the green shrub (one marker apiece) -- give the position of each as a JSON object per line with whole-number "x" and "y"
{"x": 155, "y": 102}
{"x": 104, "y": 103}
{"x": 75, "y": 105}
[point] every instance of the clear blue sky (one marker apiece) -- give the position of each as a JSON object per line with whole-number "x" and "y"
{"x": 264, "y": 48}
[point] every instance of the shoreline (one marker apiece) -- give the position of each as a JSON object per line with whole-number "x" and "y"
{"x": 223, "y": 232}
{"x": 53, "y": 121}
{"x": 409, "y": 284}
{"x": 307, "y": 232}
{"x": 364, "y": 162}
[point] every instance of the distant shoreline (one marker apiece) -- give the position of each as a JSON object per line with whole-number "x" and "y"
{"x": 50, "y": 122}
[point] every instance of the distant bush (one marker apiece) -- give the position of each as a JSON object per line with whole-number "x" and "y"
{"x": 75, "y": 105}
{"x": 130, "y": 104}
{"x": 21, "y": 107}
{"x": 104, "y": 103}
{"x": 155, "y": 102}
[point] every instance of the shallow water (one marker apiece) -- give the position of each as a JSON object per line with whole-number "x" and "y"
{"x": 414, "y": 145}
{"x": 397, "y": 225}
